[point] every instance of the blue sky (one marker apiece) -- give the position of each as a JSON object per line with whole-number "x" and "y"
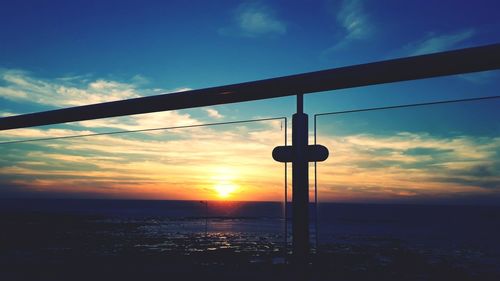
{"x": 179, "y": 44}
{"x": 65, "y": 53}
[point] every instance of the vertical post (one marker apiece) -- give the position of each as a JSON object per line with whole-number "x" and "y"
{"x": 206, "y": 219}
{"x": 300, "y": 184}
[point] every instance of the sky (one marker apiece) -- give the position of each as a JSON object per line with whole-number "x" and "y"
{"x": 56, "y": 54}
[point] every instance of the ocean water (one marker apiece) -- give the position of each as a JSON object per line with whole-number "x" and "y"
{"x": 176, "y": 216}
{"x": 463, "y": 238}
{"x": 429, "y": 225}
{"x": 418, "y": 225}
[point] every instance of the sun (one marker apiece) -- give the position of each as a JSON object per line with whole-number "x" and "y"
{"x": 224, "y": 190}
{"x": 223, "y": 180}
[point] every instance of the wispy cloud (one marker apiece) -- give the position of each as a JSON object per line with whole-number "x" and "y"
{"x": 31, "y": 133}
{"x": 170, "y": 166}
{"x": 143, "y": 121}
{"x": 253, "y": 20}
{"x": 354, "y": 24}
{"x": 354, "y": 20}
{"x": 214, "y": 113}
{"x": 480, "y": 78}
{"x": 21, "y": 86}
{"x": 183, "y": 165}
{"x": 6, "y": 113}
{"x": 439, "y": 42}
{"x": 409, "y": 165}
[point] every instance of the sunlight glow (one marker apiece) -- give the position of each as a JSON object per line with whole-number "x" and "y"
{"x": 224, "y": 190}
{"x": 223, "y": 179}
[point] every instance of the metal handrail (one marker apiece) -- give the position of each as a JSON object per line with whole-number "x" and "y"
{"x": 410, "y": 68}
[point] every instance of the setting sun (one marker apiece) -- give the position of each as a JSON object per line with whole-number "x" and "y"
{"x": 224, "y": 190}
{"x": 223, "y": 179}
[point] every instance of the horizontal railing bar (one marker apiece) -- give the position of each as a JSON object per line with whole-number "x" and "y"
{"x": 410, "y": 68}
{"x": 147, "y": 130}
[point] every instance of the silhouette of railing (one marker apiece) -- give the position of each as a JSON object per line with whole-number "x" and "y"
{"x": 410, "y": 68}
{"x": 419, "y": 67}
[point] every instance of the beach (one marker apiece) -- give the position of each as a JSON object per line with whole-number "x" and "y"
{"x": 153, "y": 240}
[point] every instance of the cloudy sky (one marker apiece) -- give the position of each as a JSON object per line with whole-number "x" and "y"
{"x": 56, "y": 54}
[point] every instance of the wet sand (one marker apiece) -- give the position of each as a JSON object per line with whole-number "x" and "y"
{"x": 42, "y": 246}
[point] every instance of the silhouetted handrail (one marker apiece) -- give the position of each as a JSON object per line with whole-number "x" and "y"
{"x": 410, "y": 68}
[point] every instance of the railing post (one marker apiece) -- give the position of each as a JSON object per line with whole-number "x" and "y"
{"x": 300, "y": 184}
{"x": 300, "y": 153}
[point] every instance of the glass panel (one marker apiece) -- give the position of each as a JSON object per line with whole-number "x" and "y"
{"x": 412, "y": 190}
{"x": 197, "y": 194}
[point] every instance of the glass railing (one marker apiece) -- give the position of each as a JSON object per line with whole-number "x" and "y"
{"x": 410, "y": 190}
{"x": 406, "y": 190}
{"x": 200, "y": 192}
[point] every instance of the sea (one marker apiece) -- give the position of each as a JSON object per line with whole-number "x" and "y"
{"x": 416, "y": 241}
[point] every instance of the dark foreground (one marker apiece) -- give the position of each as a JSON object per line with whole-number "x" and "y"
{"x": 55, "y": 246}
